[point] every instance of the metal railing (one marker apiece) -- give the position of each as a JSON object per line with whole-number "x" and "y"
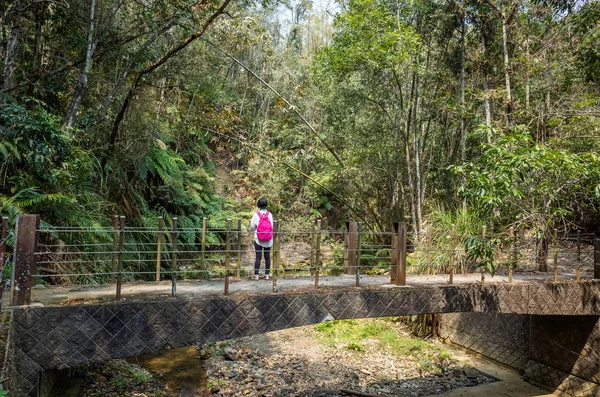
{"x": 117, "y": 254}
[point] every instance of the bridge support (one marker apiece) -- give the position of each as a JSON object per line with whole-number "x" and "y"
{"x": 25, "y": 264}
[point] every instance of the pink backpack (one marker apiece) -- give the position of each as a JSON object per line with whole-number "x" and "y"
{"x": 264, "y": 231}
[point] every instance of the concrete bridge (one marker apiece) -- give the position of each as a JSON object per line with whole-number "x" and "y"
{"x": 56, "y": 337}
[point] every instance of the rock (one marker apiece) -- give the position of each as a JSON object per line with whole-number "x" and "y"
{"x": 215, "y": 389}
{"x": 458, "y": 372}
{"x": 354, "y": 376}
{"x": 470, "y": 372}
{"x": 230, "y": 353}
{"x": 99, "y": 378}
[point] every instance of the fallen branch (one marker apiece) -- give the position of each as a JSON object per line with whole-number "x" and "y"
{"x": 357, "y": 393}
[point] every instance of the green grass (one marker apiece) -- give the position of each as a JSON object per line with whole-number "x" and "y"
{"x": 354, "y": 333}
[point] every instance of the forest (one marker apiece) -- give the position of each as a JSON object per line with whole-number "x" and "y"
{"x": 430, "y": 112}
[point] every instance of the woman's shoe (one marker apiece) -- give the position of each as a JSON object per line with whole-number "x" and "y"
{"x": 255, "y": 277}
{"x": 266, "y": 276}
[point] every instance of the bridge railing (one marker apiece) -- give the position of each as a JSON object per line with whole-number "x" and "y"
{"x": 120, "y": 254}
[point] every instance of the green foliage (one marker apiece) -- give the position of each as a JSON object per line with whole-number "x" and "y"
{"x": 482, "y": 250}
{"x": 354, "y": 333}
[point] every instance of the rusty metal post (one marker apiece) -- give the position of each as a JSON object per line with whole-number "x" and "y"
{"x": 227, "y": 248}
{"x": 24, "y": 258}
{"x": 239, "y": 248}
{"x": 120, "y": 256}
{"x": 401, "y": 264}
{"x": 597, "y": 254}
{"x": 158, "y": 246}
{"x": 578, "y": 276}
{"x": 317, "y": 253}
{"x": 174, "y": 265}
{"x": 312, "y": 248}
{"x": 555, "y": 254}
{"x": 394, "y": 254}
{"x": 115, "y": 248}
{"x": 452, "y": 252}
{"x": 483, "y": 230}
{"x": 203, "y": 244}
{"x": 358, "y": 247}
{"x": 275, "y": 259}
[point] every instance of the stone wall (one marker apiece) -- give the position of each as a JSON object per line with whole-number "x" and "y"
{"x": 561, "y": 352}
{"x": 58, "y": 337}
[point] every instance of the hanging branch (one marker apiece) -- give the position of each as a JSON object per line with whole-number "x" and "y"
{"x": 277, "y": 160}
{"x": 274, "y": 91}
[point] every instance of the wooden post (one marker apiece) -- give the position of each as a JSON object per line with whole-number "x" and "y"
{"x": 394, "y": 255}
{"x": 158, "y": 246}
{"x": 426, "y": 239}
{"x": 351, "y": 248}
{"x": 317, "y": 253}
{"x": 555, "y": 254}
{"x": 239, "y": 248}
{"x": 275, "y": 259}
{"x": 227, "y": 248}
{"x": 483, "y": 230}
{"x": 115, "y": 248}
{"x": 24, "y": 258}
{"x": 120, "y": 256}
{"x": 597, "y": 254}
{"x": 401, "y": 264}
{"x": 452, "y": 252}
{"x": 513, "y": 235}
{"x": 203, "y": 244}
{"x": 174, "y": 265}
{"x": 578, "y": 276}
{"x": 358, "y": 247}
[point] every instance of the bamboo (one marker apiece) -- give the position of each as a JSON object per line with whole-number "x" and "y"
{"x": 158, "y": 246}
{"x": 174, "y": 266}
{"x": 227, "y": 248}
{"x": 120, "y": 255}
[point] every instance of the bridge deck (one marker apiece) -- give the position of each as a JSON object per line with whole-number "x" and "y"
{"x": 53, "y": 295}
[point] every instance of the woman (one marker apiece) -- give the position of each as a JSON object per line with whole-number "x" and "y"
{"x": 262, "y": 226}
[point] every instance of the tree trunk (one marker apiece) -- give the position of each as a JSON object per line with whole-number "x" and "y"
{"x": 463, "y": 135}
{"x": 83, "y": 77}
{"x": 508, "y": 100}
{"x": 541, "y": 244}
{"x": 486, "y": 97}
{"x": 527, "y": 87}
{"x": 10, "y": 62}
{"x": 136, "y": 81}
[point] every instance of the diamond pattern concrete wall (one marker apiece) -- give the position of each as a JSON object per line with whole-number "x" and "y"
{"x": 558, "y": 351}
{"x": 69, "y": 336}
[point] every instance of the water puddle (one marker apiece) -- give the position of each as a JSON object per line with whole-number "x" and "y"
{"x": 180, "y": 369}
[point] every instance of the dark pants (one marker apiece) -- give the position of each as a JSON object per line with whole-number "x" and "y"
{"x": 259, "y": 251}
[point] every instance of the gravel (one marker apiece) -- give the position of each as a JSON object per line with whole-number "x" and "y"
{"x": 295, "y": 362}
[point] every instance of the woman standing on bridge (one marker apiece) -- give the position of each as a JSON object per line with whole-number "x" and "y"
{"x": 262, "y": 226}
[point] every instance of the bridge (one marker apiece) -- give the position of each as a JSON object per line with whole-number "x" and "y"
{"x": 48, "y": 334}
